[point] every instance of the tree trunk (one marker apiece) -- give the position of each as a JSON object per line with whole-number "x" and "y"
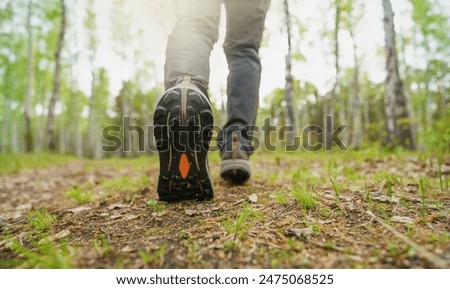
{"x": 428, "y": 100}
{"x": 51, "y": 138}
{"x": 355, "y": 103}
{"x": 332, "y": 105}
{"x": 4, "y": 145}
{"x": 333, "y": 94}
{"x": 398, "y": 125}
{"x": 29, "y": 145}
{"x": 288, "y": 89}
{"x": 92, "y": 123}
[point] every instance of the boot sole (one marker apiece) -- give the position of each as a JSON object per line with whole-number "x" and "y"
{"x": 237, "y": 171}
{"x": 183, "y": 124}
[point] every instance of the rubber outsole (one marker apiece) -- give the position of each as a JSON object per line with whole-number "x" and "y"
{"x": 237, "y": 171}
{"x": 183, "y": 123}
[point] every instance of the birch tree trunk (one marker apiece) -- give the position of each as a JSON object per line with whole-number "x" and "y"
{"x": 29, "y": 145}
{"x": 355, "y": 103}
{"x": 398, "y": 125}
{"x": 4, "y": 145}
{"x": 92, "y": 124}
{"x": 288, "y": 89}
{"x": 332, "y": 106}
{"x": 333, "y": 94}
{"x": 51, "y": 138}
{"x": 93, "y": 130}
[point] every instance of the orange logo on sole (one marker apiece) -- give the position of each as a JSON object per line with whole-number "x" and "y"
{"x": 184, "y": 166}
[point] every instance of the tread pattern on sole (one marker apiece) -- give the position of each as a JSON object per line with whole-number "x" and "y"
{"x": 175, "y": 137}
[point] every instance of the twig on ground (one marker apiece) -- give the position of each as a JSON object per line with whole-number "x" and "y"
{"x": 237, "y": 203}
{"x": 438, "y": 262}
{"x": 279, "y": 213}
{"x": 364, "y": 224}
{"x": 107, "y": 235}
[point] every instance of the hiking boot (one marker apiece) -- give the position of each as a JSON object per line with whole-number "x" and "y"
{"x": 235, "y": 165}
{"x": 183, "y": 123}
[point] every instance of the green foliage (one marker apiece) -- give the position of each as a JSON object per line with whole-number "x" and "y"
{"x": 336, "y": 190}
{"x": 125, "y": 184}
{"x": 102, "y": 245}
{"x": 13, "y": 163}
{"x": 304, "y": 197}
{"x": 281, "y": 198}
{"x": 243, "y": 223}
{"x": 41, "y": 254}
{"x": 423, "y": 192}
{"x": 80, "y": 195}
{"x": 438, "y": 139}
{"x": 41, "y": 220}
{"x": 152, "y": 256}
{"x": 156, "y": 206}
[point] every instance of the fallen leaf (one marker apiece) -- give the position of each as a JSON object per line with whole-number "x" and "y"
{"x": 127, "y": 249}
{"x": 386, "y": 199}
{"x": 80, "y": 209}
{"x": 325, "y": 221}
{"x": 130, "y": 217}
{"x": 253, "y": 198}
{"x": 301, "y": 233}
{"x": 191, "y": 213}
{"x": 400, "y": 219}
{"x": 62, "y": 234}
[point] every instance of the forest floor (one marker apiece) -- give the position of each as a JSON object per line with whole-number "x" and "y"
{"x": 304, "y": 210}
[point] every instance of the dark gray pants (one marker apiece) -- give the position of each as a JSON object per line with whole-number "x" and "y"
{"x": 189, "y": 49}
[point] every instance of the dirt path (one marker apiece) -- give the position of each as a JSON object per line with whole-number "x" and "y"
{"x": 298, "y": 211}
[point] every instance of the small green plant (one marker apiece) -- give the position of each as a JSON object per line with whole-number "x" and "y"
{"x": 243, "y": 223}
{"x": 125, "y": 184}
{"x": 41, "y": 220}
{"x": 336, "y": 190}
{"x": 325, "y": 212}
{"x": 44, "y": 255}
{"x": 102, "y": 245}
{"x": 80, "y": 195}
{"x": 278, "y": 257}
{"x": 296, "y": 177}
{"x": 281, "y": 198}
{"x": 230, "y": 246}
{"x": 441, "y": 178}
{"x": 328, "y": 245}
{"x": 183, "y": 234}
{"x": 316, "y": 229}
{"x": 388, "y": 187}
{"x": 304, "y": 197}
{"x": 422, "y": 192}
{"x": 369, "y": 198}
{"x": 394, "y": 249}
{"x": 153, "y": 256}
{"x": 156, "y": 206}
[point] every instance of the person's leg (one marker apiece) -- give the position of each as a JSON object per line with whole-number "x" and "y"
{"x": 183, "y": 117}
{"x": 191, "y": 41}
{"x": 245, "y": 26}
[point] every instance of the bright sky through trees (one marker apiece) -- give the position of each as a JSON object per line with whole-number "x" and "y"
{"x": 156, "y": 18}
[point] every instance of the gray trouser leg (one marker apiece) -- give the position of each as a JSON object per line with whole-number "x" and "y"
{"x": 189, "y": 48}
{"x": 245, "y": 26}
{"x": 190, "y": 44}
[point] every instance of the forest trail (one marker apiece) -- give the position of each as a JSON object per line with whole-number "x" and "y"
{"x": 298, "y": 211}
